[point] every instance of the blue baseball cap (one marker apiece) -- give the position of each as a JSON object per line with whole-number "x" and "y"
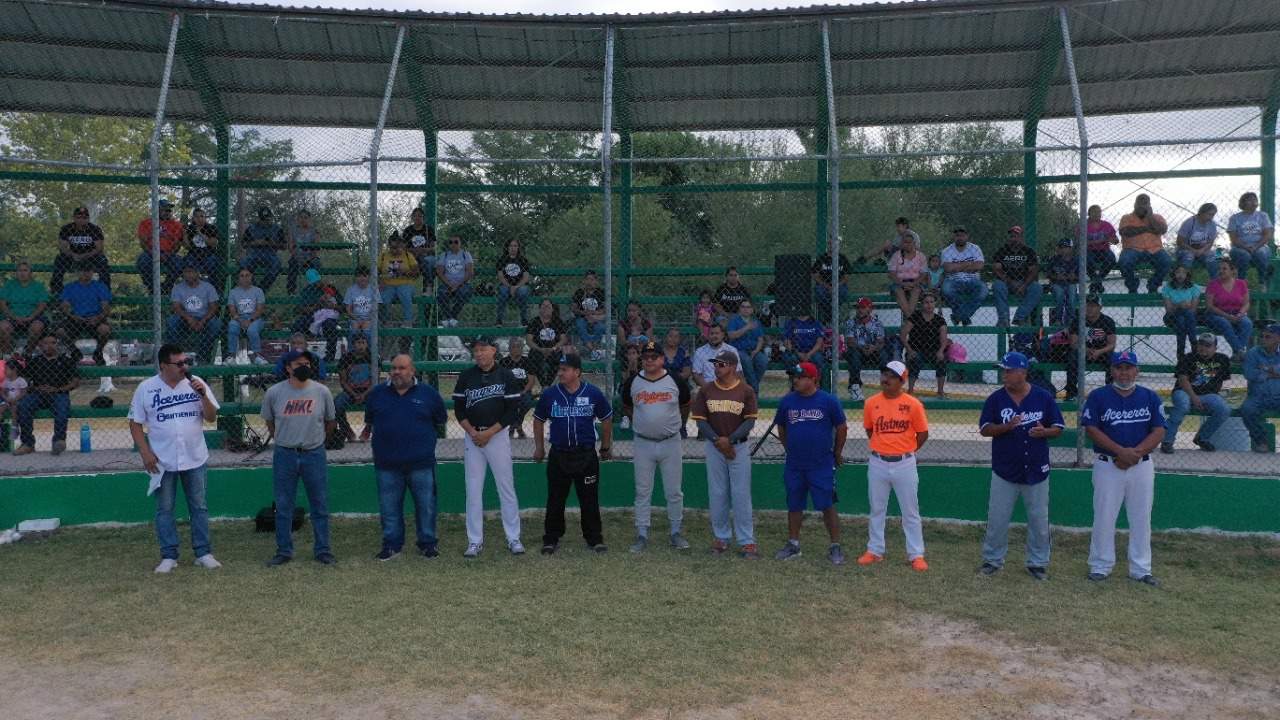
{"x": 1128, "y": 357}
{"x": 1273, "y": 329}
{"x": 1014, "y": 361}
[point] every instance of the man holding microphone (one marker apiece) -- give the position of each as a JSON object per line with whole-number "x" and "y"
{"x": 166, "y": 419}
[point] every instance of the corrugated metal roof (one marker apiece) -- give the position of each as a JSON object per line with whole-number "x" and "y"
{"x": 893, "y": 63}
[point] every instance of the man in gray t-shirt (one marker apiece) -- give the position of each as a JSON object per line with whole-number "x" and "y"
{"x": 195, "y": 313}
{"x": 299, "y": 413}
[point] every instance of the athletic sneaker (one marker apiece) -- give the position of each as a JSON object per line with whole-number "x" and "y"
{"x": 208, "y": 561}
{"x": 868, "y": 558}
{"x": 598, "y": 548}
{"x": 640, "y": 544}
{"x": 988, "y": 569}
{"x": 515, "y": 546}
{"x": 430, "y": 551}
{"x": 1166, "y": 448}
{"x": 24, "y": 450}
{"x": 678, "y": 542}
{"x": 1147, "y": 580}
{"x": 749, "y": 552}
{"x": 278, "y": 560}
{"x": 550, "y": 548}
{"x": 1203, "y": 444}
{"x": 326, "y": 559}
{"x": 718, "y": 547}
{"x": 473, "y": 550}
{"x": 835, "y": 554}
{"x": 919, "y": 565}
{"x": 855, "y": 393}
{"x": 789, "y": 551}
{"x": 166, "y": 566}
{"x": 386, "y": 554}
{"x": 59, "y": 446}
{"x": 1037, "y": 573}
{"x": 1096, "y": 577}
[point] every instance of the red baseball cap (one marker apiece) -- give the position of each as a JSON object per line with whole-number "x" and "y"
{"x": 1015, "y": 230}
{"x": 864, "y": 302}
{"x": 807, "y": 369}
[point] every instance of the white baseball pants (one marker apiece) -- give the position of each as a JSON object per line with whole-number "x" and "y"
{"x": 1135, "y": 490}
{"x": 494, "y": 456}
{"x": 648, "y": 456}
{"x": 900, "y": 478}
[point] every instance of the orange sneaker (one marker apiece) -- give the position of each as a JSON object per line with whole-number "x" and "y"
{"x": 919, "y": 565}
{"x": 868, "y": 558}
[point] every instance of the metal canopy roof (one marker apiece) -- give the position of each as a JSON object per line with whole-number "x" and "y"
{"x": 932, "y": 61}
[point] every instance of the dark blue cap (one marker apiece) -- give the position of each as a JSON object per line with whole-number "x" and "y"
{"x": 1128, "y": 357}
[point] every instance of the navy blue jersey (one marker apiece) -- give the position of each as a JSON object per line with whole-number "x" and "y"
{"x": 572, "y": 415}
{"x": 811, "y": 423}
{"x": 1015, "y": 455}
{"x": 1126, "y": 420}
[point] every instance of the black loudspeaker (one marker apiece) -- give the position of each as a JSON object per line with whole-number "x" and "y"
{"x": 792, "y": 285}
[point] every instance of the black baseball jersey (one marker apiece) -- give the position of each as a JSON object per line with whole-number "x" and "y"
{"x": 487, "y": 397}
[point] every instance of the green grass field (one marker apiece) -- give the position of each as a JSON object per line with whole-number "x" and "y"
{"x": 87, "y": 625}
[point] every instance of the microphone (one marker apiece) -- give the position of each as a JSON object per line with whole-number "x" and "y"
{"x": 187, "y": 375}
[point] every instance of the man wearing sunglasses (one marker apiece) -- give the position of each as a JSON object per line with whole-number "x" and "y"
{"x": 166, "y": 420}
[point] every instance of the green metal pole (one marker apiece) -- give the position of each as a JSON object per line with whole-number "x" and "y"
{"x": 431, "y": 214}
{"x": 231, "y": 425}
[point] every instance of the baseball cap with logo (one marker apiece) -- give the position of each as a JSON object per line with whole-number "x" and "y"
{"x": 864, "y": 302}
{"x": 1127, "y": 357}
{"x": 1066, "y": 242}
{"x": 1014, "y": 361}
{"x": 897, "y": 368}
{"x": 1207, "y": 339}
{"x": 651, "y": 348}
{"x": 728, "y": 357}
{"x": 571, "y": 360}
{"x": 804, "y": 369}
{"x": 1272, "y": 329}
{"x": 481, "y": 340}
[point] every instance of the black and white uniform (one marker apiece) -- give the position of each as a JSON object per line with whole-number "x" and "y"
{"x": 486, "y": 398}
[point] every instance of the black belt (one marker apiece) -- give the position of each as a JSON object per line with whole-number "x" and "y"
{"x": 578, "y": 449}
{"x": 892, "y": 458}
{"x": 646, "y": 437}
{"x": 300, "y": 449}
{"x": 1110, "y": 459}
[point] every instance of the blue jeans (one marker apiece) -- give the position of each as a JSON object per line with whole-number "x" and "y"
{"x": 1237, "y": 332}
{"x": 1183, "y": 322}
{"x": 729, "y": 492}
{"x": 451, "y": 301}
{"x": 59, "y": 403}
{"x": 858, "y": 359}
{"x": 822, "y": 299}
{"x": 421, "y": 484}
{"x": 1209, "y": 261}
{"x": 589, "y": 332}
{"x": 1030, "y": 301}
{"x": 287, "y": 468}
{"x": 964, "y": 295}
{"x": 1259, "y": 257}
{"x": 264, "y": 259}
{"x": 520, "y": 295}
{"x": 1131, "y": 258}
{"x": 193, "y": 487}
{"x": 404, "y": 295}
{"x": 200, "y": 340}
{"x": 1218, "y": 410}
{"x": 1064, "y": 302}
{"x": 299, "y": 266}
{"x": 252, "y": 329}
{"x": 754, "y": 367}
{"x": 168, "y": 271}
{"x": 1252, "y": 411}
{"x": 1035, "y": 500}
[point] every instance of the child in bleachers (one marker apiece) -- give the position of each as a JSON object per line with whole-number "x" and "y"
{"x": 12, "y": 389}
{"x": 934, "y": 274}
{"x": 704, "y": 313}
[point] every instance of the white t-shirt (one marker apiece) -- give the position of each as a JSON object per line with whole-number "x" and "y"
{"x": 702, "y": 359}
{"x": 174, "y": 418}
{"x": 12, "y": 388}
{"x": 970, "y": 253}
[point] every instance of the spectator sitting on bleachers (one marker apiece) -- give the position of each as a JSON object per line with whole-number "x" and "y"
{"x": 360, "y": 299}
{"x": 1181, "y": 306}
{"x": 588, "y": 314}
{"x": 304, "y": 250}
{"x": 546, "y": 335}
{"x": 1100, "y": 236}
{"x": 1250, "y": 231}
{"x": 420, "y": 240}
{"x": 1141, "y": 233}
{"x": 703, "y": 371}
{"x": 635, "y": 328}
{"x": 522, "y": 368}
{"x": 259, "y": 245}
{"x": 907, "y": 274}
{"x": 1017, "y": 269}
{"x": 924, "y": 342}
{"x": 865, "y": 342}
{"x": 51, "y": 375}
{"x": 13, "y": 387}
{"x": 1226, "y": 304}
{"x": 705, "y": 314}
{"x": 317, "y": 312}
{"x": 962, "y": 285}
{"x": 355, "y": 374}
{"x": 397, "y": 269}
{"x": 298, "y": 342}
{"x": 1262, "y": 371}
{"x": 513, "y": 282}
{"x": 804, "y": 339}
{"x": 171, "y": 234}
{"x": 1064, "y": 277}
{"x": 246, "y": 304}
{"x": 86, "y": 304}
{"x": 821, "y": 272}
{"x": 629, "y": 362}
{"x": 730, "y": 293}
{"x": 202, "y": 249}
{"x": 80, "y": 241}
{"x": 678, "y": 364}
{"x": 1099, "y": 342}
{"x": 901, "y": 231}
{"x": 1198, "y": 379}
{"x": 194, "y": 321}
{"x": 1195, "y": 240}
{"x": 745, "y": 333}
{"x": 23, "y": 300}
{"x": 934, "y": 274}
{"x": 454, "y": 268}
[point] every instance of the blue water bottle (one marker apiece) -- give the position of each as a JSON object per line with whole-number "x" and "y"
{"x": 86, "y": 442}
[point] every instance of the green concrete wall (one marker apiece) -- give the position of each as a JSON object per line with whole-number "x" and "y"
{"x": 1182, "y": 501}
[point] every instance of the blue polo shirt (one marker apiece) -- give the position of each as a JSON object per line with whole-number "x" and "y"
{"x": 1126, "y": 420}
{"x": 1016, "y": 456}
{"x": 404, "y": 426}
{"x": 86, "y": 299}
{"x": 811, "y": 423}
{"x": 572, "y": 415}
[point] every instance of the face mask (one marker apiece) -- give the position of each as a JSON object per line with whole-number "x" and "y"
{"x": 302, "y": 373}
{"x": 1125, "y": 387}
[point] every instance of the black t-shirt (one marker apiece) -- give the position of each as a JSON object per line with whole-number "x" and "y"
{"x": 588, "y": 300}
{"x": 1098, "y": 331}
{"x": 1017, "y": 260}
{"x": 417, "y": 239}
{"x": 81, "y": 241}
{"x": 512, "y": 268}
{"x": 1206, "y": 376}
{"x": 487, "y": 397}
{"x": 55, "y": 372}
{"x": 729, "y": 298}
{"x": 546, "y": 335}
{"x": 926, "y": 335}
{"x": 521, "y": 368}
{"x": 822, "y": 266}
{"x": 199, "y": 238}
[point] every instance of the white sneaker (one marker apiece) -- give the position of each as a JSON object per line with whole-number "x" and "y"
{"x": 516, "y": 547}
{"x": 208, "y": 561}
{"x": 855, "y": 393}
{"x": 473, "y": 550}
{"x": 166, "y": 566}
{"x": 626, "y": 423}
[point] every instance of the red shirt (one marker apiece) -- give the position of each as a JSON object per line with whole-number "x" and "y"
{"x": 171, "y": 234}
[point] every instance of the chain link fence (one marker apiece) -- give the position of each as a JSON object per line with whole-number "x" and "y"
{"x": 809, "y": 187}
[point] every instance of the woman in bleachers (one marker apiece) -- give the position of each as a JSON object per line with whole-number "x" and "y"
{"x": 1181, "y": 302}
{"x": 1226, "y": 301}
{"x": 635, "y": 328}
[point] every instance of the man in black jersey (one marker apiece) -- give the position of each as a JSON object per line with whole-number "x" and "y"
{"x": 486, "y": 401}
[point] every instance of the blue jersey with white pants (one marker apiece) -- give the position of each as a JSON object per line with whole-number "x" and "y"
{"x": 1127, "y": 420}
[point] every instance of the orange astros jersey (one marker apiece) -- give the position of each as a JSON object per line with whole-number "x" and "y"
{"x": 894, "y": 423}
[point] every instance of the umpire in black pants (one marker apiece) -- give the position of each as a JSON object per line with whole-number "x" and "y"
{"x": 572, "y": 406}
